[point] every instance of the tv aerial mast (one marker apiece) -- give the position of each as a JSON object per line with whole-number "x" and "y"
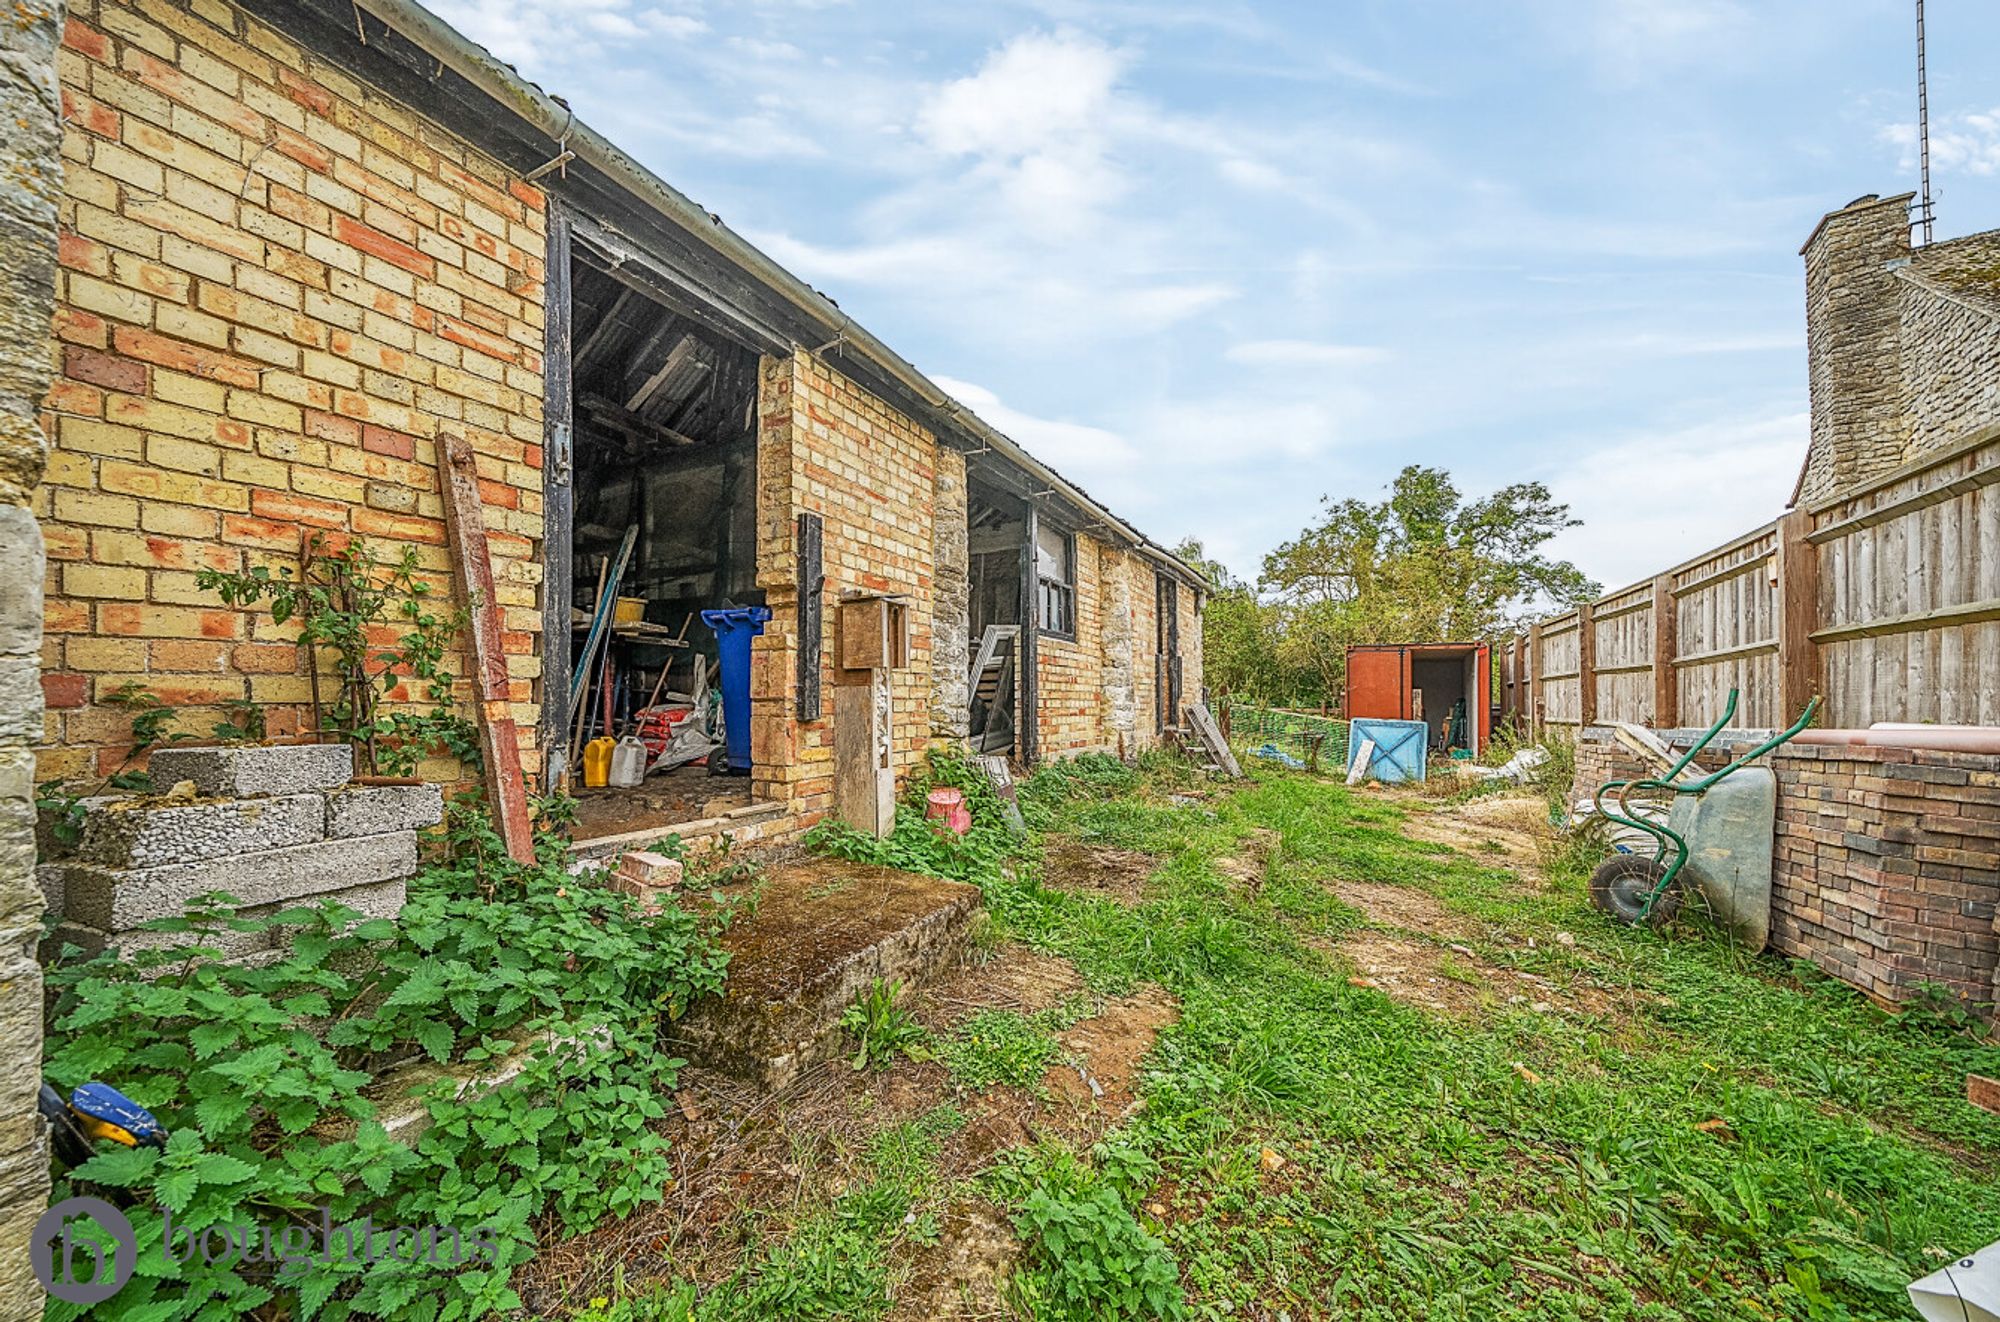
{"x": 1926, "y": 217}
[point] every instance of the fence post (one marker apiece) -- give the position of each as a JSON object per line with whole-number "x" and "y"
{"x": 1666, "y": 629}
{"x": 1535, "y": 680}
{"x": 1798, "y": 615}
{"x": 1517, "y": 687}
{"x": 1586, "y": 665}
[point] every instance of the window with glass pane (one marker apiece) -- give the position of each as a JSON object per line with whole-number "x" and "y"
{"x": 1055, "y": 570}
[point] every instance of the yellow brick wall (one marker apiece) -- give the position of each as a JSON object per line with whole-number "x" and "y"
{"x": 278, "y": 288}
{"x": 828, "y": 447}
{"x": 1075, "y": 677}
{"x": 1070, "y": 674}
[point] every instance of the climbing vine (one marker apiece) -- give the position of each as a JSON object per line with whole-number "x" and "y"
{"x": 379, "y": 627}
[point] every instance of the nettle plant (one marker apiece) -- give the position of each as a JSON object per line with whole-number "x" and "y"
{"x": 379, "y": 625}
{"x": 271, "y": 1076}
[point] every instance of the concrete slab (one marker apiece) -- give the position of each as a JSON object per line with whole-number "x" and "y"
{"x": 382, "y": 899}
{"x": 145, "y": 832}
{"x": 375, "y": 810}
{"x": 238, "y": 772}
{"x": 115, "y": 899}
{"x": 822, "y": 931}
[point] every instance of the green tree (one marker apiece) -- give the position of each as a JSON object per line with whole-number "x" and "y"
{"x": 1424, "y": 565}
{"x": 1239, "y": 633}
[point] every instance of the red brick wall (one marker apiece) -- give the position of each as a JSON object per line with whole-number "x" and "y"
{"x": 1887, "y": 867}
{"x": 277, "y": 289}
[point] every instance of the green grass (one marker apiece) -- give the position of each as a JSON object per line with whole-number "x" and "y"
{"x": 1737, "y": 1139}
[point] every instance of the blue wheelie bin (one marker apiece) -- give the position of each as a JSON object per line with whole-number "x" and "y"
{"x": 734, "y": 627}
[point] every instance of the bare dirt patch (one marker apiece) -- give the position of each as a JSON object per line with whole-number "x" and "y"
{"x": 1406, "y": 907}
{"x": 747, "y": 1164}
{"x": 963, "y": 1275}
{"x": 1247, "y": 867}
{"x": 1452, "y": 979}
{"x": 1098, "y": 1077}
{"x": 1083, "y": 869}
{"x": 1499, "y": 830}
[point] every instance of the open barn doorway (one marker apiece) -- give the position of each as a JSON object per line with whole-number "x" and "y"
{"x": 664, "y": 443}
{"x": 996, "y": 535}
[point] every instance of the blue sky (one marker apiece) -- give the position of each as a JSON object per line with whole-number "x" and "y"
{"x": 1215, "y": 261}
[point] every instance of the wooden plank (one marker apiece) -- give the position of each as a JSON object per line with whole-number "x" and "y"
{"x": 1586, "y": 663}
{"x": 1211, "y": 738}
{"x": 1666, "y": 633}
{"x": 1723, "y": 575}
{"x": 812, "y": 598}
{"x": 1799, "y": 673}
{"x": 558, "y": 494}
{"x": 472, "y": 576}
{"x": 1726, "y": 653}
{"x": 1969, "y": 612}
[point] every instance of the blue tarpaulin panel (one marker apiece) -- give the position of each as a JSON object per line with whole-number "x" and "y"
{"x": 1400, "y": 748}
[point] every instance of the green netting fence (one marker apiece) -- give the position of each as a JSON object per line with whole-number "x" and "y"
{"x": 1284, "y": 736}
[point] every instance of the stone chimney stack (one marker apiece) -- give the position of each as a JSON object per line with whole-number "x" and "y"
{"x": 1860, "y": 414}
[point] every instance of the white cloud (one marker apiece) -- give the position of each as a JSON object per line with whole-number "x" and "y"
{"x": 1033, "y": 119}
{"x": 1302, "y": 353}
{"x": 539, "y": 36}
{"x": 1650, "y": 501}
{"x": 1960, "y": 144}
{"x": 1075, "y": 449}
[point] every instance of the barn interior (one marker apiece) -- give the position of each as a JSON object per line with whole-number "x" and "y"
{"x": 996, "y": 528}
{"x": 665, "y": 446}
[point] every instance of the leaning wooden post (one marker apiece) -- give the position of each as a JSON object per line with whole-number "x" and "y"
{"x": 1798, "y": 615}
{"x": 472, "y": 577}
{"x": 1586, "y": 665}
{"x": 1666, "y": 633}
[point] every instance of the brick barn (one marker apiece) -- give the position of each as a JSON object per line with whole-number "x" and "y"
{"x": 304, "y": 241}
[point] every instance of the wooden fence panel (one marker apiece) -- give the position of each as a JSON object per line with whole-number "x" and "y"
{"x": 1909, "y": 593}
{"x": 1622, "y": 666}
{"x": 1726, "y": 631}
{"x": 1561, "y": 694}
{"x": 1885, "y": 601}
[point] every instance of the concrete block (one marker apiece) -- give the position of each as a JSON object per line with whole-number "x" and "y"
{"x": 115, "y": 899}
{"x": 148, "y": 832}
{"x": 376, "y": 810}
{"x": 381, "y": 899}
{"x": 239, "y": 772}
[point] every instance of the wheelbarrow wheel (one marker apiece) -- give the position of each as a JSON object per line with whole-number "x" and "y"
{"x": 1622, "y": 883}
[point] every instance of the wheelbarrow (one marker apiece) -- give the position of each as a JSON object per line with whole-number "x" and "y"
{"x": 1718, "y": 830}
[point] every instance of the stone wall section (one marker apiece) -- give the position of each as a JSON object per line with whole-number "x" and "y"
{"x": 951, "y": 640}
{"x": 31, "y": 171}
{"x": 278, "y": 288}
{"x": 1859, "y": 420}
{"x": 1950, "y": 348}
{"x": 1119, "y": 642}
{"x": 1903, "y": 345}
{"x": 1887, "y": 866}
